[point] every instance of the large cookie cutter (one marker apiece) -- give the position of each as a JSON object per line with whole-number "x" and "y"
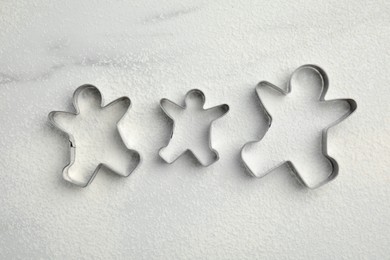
{"x": 335, "y": 167}
{"x": 72, "y": 142}
{"x": 224, "y": 108}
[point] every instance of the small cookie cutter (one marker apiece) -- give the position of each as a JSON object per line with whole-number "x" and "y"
{"x": 352, "y": 107}
{"x": 223, "y": 107}
{"x": 72, "y": 143}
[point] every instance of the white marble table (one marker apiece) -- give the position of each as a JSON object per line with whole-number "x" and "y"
{"x": 153, "y": 49}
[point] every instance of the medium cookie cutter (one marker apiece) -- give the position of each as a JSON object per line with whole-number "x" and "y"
{"x": 72, "y": 142}
{"x": 223, "y": 107}
{"x": 335, "y": 167}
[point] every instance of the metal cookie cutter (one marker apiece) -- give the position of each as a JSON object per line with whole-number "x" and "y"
{"x": 171, "y": 109}
{"x": 124, "y": 104}
{"x": 325, "y": 84}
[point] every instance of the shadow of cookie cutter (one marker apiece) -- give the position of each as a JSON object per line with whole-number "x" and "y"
{"x": 225, "y": 109}
{"x": 335, "y": 167}
{"x": 72, "y": 143}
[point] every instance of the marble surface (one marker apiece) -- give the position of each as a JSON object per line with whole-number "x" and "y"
{"x": 148, "y": 50}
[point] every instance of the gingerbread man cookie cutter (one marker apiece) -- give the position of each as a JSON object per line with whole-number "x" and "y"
{"x": 221, "y": 110}
{"x": 124, "y": 101}
{"x": 324, "y": 136}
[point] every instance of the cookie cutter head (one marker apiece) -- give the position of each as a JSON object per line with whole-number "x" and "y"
{"x": 221, "y": 110}
{"x": 324, "y": 135}
{"x": 72, "y": 143}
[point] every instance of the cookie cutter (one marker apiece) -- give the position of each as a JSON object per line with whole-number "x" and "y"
{"x": 224, "y": 108}
{"x": 72, "y": 142}
{"x": 334, "y": 165}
